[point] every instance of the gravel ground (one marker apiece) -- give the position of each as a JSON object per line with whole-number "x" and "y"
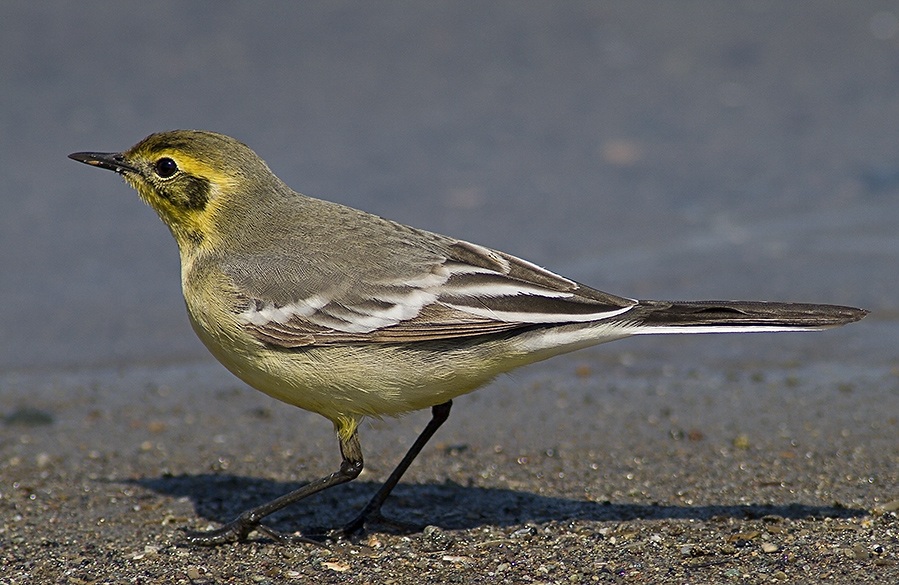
{"x": 747, "y": 473}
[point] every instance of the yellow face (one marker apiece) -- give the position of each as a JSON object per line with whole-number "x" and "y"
{"x": 182, "y": 182}
{"x": 184, "y": 175}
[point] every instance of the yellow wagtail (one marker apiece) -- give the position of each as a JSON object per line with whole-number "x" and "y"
{"x": 347, "y": 314}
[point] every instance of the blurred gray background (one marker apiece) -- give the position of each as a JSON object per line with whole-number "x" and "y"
{"x": 651, "y": 149}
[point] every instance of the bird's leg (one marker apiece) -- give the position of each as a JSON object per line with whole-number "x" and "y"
{"x": 239, "y": 528}
{"x": 372, "y": 510}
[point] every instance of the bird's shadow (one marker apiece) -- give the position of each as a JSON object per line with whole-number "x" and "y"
{"x": 220, "y": 498}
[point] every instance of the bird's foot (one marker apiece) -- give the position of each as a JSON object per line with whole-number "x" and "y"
{"x": 235, "y": 531}
{"x": 239, "y": 530}
{"x": 358, "y": 525}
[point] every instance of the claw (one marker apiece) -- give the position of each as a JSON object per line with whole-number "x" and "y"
{"x": 358, "y": 524}
{"x": 287, "y": 538}
{"x": 236, "y": 531}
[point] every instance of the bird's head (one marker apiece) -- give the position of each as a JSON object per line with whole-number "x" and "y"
{"x": 187, "y": 176}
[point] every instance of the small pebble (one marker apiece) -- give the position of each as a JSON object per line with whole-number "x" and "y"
{"x": 42, "y": 459}
{"x": 28, "y": 417}
{"x": 769, "y": 547}
{"x": 522, "y": 532}
{"x": 742, "y": 442}
{"x": 436, "y": 539}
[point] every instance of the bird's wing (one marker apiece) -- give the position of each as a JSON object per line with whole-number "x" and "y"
{"x": 456, "y": 290}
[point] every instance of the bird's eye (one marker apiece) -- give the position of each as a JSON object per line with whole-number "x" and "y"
{"x": 165, "y": 167}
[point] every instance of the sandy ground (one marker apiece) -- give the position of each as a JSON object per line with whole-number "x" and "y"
{"x": 682, "y": 150}
{"x": 592, "y": 470}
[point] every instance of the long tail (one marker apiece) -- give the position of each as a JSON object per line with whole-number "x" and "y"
{"x": 651, "y": 317}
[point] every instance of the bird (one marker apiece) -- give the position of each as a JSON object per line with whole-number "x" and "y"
{"x": 350, "y": 315}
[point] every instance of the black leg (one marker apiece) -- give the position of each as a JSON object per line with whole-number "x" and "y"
{"x": 439, "y": 414}
{"x": 247, "y": 522}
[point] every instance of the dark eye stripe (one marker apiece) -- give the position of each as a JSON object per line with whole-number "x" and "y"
{"x": 197, "y": 190}
{"x": 187, "y": 192}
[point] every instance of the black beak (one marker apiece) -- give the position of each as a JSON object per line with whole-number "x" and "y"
{"x": 113, "y": 161}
